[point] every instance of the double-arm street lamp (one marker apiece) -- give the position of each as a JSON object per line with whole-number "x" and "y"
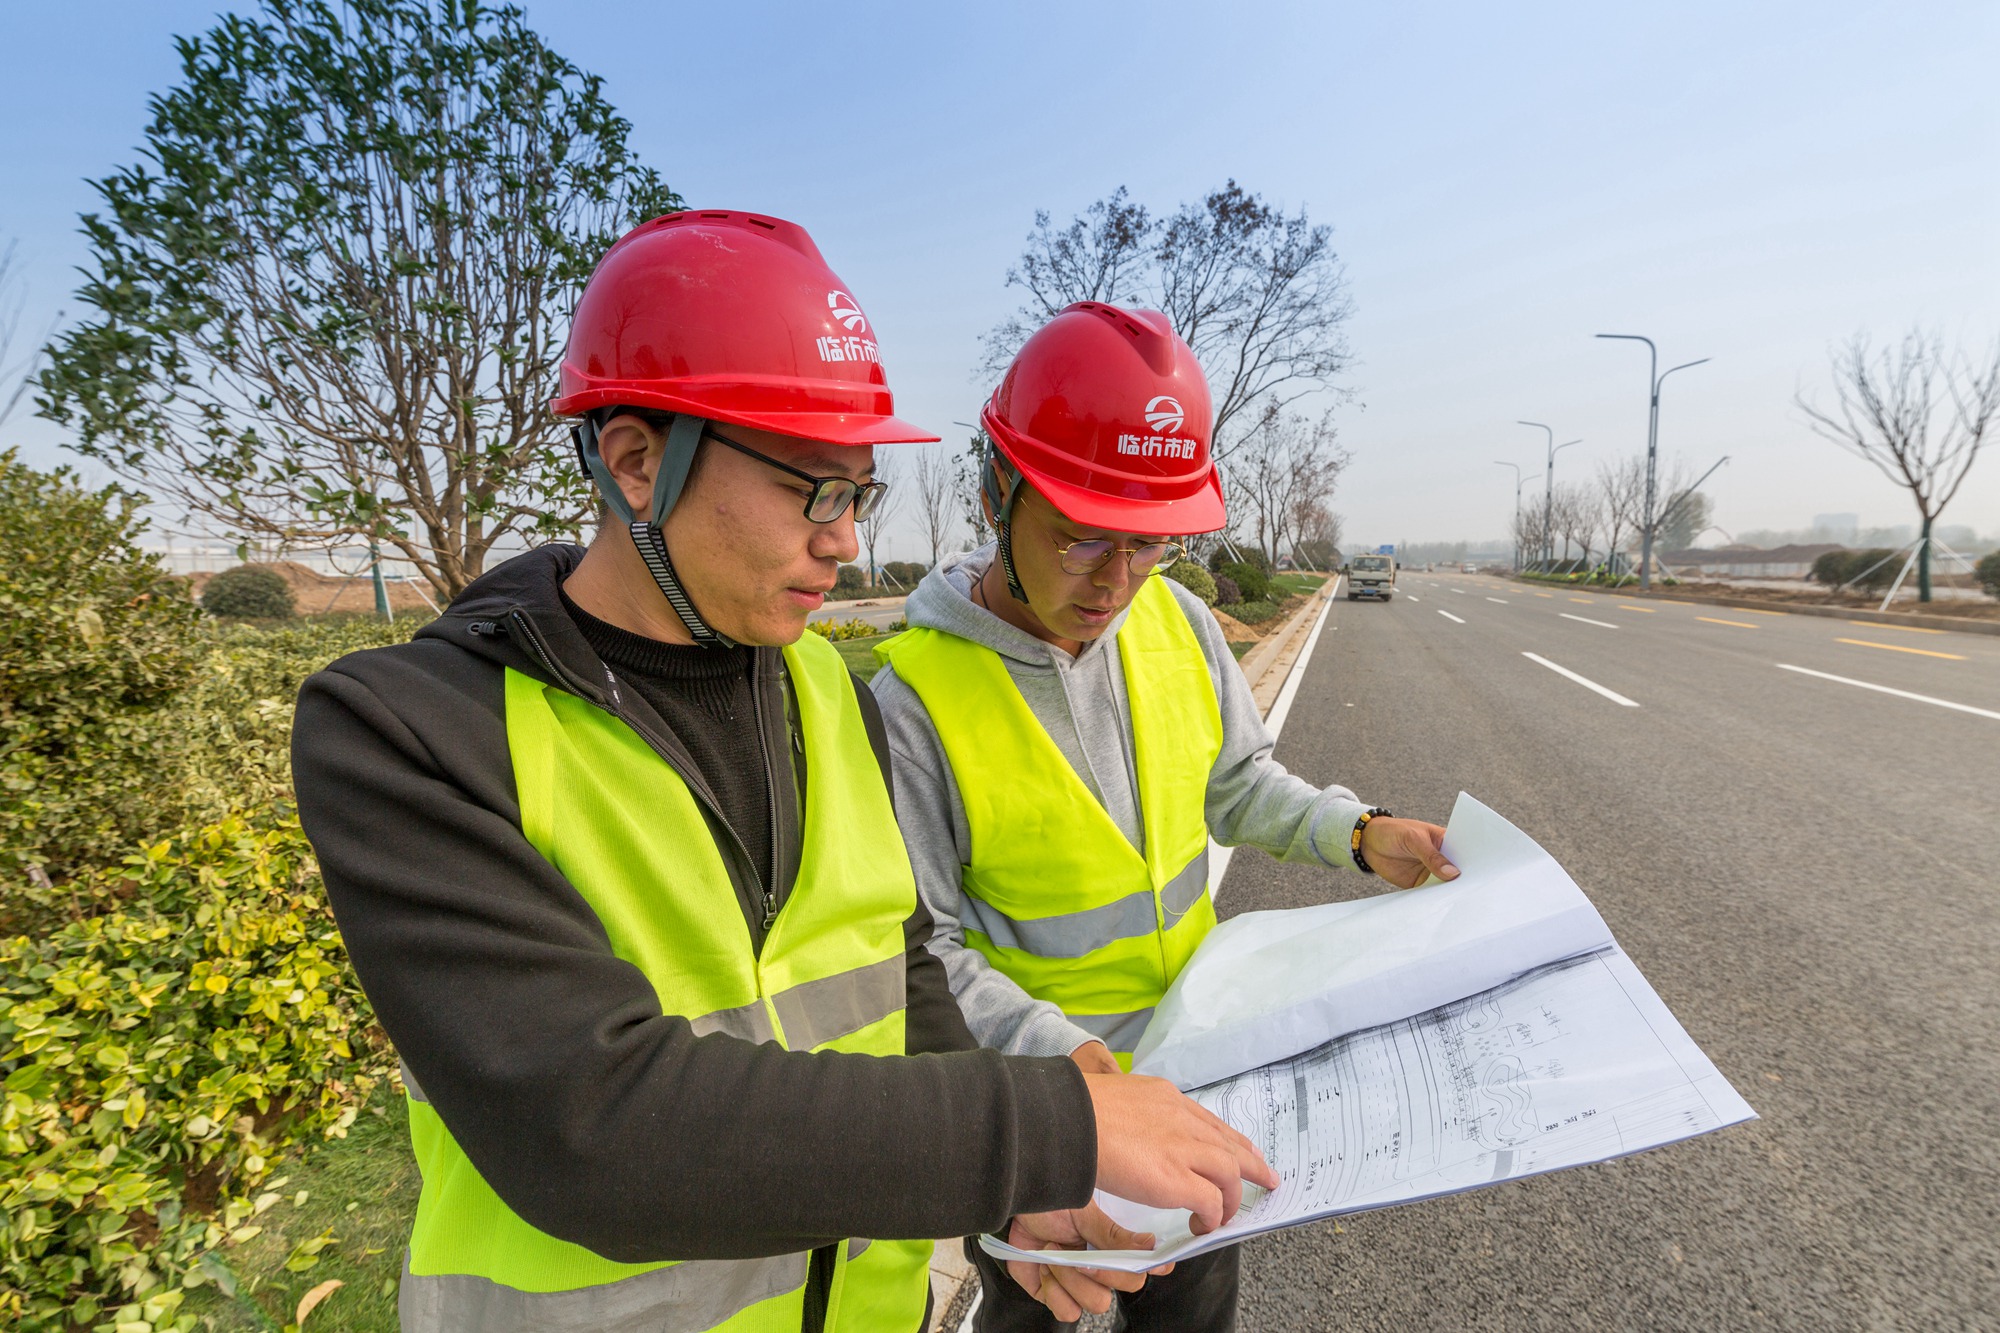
{"x": 1518, "y": 480}
{"x": 1549, "y": 491}
{"x": 1652, "y": 447}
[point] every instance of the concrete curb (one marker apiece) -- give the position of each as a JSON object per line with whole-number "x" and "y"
{"x": 1859, "y": 614}
{"x": 1267, "y": 665}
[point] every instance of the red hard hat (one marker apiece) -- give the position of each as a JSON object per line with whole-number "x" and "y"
{"x": 1105, "y": 412}
{"x": 734, "y": 317}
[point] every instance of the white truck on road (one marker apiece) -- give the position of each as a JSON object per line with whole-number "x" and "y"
{"x": 1371, "y": 576}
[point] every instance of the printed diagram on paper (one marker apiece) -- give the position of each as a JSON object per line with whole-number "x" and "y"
{"x": 1476, "y": 1091}
{"x": 1574, "y": 1063}
{"x": 1419, "y": 1043}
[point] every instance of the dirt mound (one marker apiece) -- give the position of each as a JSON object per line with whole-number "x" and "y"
{"x": 1234, "y": 630}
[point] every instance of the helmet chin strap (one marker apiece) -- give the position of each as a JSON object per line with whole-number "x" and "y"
{"x": 683, "y": 439}
{"x": 1002, "y": 504}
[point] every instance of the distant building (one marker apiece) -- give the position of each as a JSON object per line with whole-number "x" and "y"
{"x": 1750, "y": 562}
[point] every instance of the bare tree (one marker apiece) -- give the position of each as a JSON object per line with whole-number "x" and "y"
{"x": 1915, "y": 411}
{"x": 935, "y": 495}
{"x": 966, "y": 470}
{"x": 1316, "y": 541}
{"x": 329, "y": 305}
{"x": 17, "y": 372}
{"x": 1621, "y": 489}
{"x": 1285, "y": 470}
{"x": 1579, "y": 511}
{"x": 1095, "y": 258}
{"x": 1260, "y": 296}
{"x": 870, "y": 528}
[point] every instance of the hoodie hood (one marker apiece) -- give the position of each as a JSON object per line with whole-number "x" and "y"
{"x": 943, "y": 601}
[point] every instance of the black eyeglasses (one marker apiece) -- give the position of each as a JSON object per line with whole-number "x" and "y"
{"x": 1091, "y": 556}
{"x": 830, "y": 495}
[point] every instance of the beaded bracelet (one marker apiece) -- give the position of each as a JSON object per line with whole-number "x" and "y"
{"x": 1354, "y": 839}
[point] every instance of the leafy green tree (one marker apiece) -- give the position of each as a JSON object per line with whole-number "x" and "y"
{"x": 1686, "y": 516}
{"x": 250, "y": 592}
{"x": 1987, "y": 573}
{"x": 96, "y": 638}
{"x": 329, "y": 304}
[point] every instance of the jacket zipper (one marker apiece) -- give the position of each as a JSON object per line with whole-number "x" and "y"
{"x": 770, "y": 806}
{"x": 694, "y": 784}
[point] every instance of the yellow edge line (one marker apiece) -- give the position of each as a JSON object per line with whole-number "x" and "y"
{"x": 1585, "y": 600}
{"x": 1901, "y": 629}
{"x": 1634, "y": 606}
{"x": 1671, "y": 602}
{"x": 1899, "y": 648}
{"x": 1758, "y": 611}
{"x": 1740, "y": 624}
{"x": 1544, "y": 594}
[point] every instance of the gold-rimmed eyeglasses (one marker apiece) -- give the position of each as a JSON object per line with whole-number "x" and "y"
{"x": 1087, "y": 557}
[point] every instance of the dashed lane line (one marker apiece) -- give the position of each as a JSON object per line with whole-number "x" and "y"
{"x": 1586, "y": 620}
{"x": 1740, "y": 624}
{"x": 1634, "y": 606}
{"x": 1549, "y": 595}
{"x": 1587, "y": 601}
{"x": 1452, "y": 618}
{"x": 1413, "y": 597}
{"x": 1584, "y": 681}
{"x": 1884, "y": 689}
{"x": 1899, "y": 648}
{"x": 1501, "y": 600}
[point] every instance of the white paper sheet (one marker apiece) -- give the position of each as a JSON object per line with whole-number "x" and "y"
{"x": 1266, "y": 985}
{"x": 1573, "y": 1061}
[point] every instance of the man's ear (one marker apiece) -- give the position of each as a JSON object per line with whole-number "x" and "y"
{"x": 631, "y": 451}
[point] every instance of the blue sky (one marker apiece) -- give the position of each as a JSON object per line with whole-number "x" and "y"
{"x": 1745, "y": 182}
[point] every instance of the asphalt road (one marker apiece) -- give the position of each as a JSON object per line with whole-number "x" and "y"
{"x": 1807, "y": 872}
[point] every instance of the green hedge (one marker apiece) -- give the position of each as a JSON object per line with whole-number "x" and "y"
{"x": 1987, "y": 572}
{"x": 176, "y": 1011}
{"x": 1252, "y": 613}
{"x": 249, "y": 592}
{"x": 160, "y": 1058}
{"x": 1195, "y": 579}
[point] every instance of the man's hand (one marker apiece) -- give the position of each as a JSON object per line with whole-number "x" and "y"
{"x": 1158, "y": 1147}
{"x": 1094, "y": 1057}
{"x": 1068, "y": 1292}
{"x": 1405, "y": 851}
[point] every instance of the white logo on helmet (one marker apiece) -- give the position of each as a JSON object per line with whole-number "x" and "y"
{"x": 1164, "y": 414}
{"x": 847, "y": 312}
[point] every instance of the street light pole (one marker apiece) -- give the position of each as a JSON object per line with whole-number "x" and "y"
{"x": 1549, "y": 491}
{"x": 1652, "y": 447}
{"x": 1518, "y": 480}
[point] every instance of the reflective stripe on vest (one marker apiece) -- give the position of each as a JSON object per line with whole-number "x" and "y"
{"x": 1057, "y": 896}
{"x": 618, "y": 822}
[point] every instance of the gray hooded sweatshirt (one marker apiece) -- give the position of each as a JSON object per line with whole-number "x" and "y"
{"x": 1082, "y": 703}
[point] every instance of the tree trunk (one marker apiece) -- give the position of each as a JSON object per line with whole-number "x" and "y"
{"x": 1924, "y": 563}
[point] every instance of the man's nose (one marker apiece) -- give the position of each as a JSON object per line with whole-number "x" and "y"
{"x": 837, "y": 539}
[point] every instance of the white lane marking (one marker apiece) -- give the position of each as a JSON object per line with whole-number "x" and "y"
{"x": 1413, "y": 597}
{"x": 1501, "y": 600}
{"x": 1459, "y": 591}
{"x": 1452, "y": 618}
{"x": 1584, "y": 681}
{"x": 1884, "y": 689}
{"x": 1586, "y": 620}
{"x": 1281, "y": 708}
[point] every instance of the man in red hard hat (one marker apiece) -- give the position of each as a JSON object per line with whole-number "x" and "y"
{"x": 613, "y": 850}
{"x": 1068, "y": 732}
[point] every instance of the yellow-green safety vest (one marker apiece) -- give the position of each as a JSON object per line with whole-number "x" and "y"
{"x": 622, "y": 827}
{"x": 1059, "y": 898}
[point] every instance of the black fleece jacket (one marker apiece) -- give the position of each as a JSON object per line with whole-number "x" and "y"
{"x": 596, "y": 1117}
